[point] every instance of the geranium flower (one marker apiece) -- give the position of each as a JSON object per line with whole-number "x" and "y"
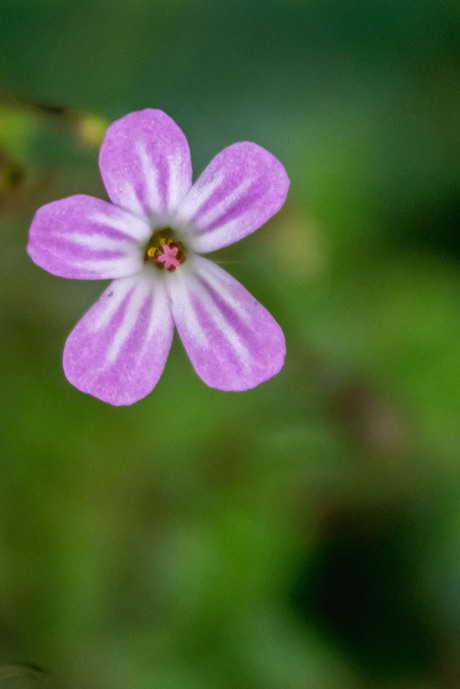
{"x": 150, "y": 240}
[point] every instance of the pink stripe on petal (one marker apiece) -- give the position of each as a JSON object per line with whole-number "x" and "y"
{"x": 242, "y": 187}
{"x": 145, "y": 163}
{"x": 85, "y": 238}
{"x": 118, "y": 350}
{"x": 231, "y": 339}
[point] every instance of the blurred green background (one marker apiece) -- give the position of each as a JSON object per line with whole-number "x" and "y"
{"x": 302, "y": 534}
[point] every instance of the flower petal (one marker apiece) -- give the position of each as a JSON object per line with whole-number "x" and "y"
{"x": 118, "y": 350}
{"x": 145, "y": 163}
{"x": 86, "y": 238}
{"x": 242, "y": 187}
{"x": 232, "y": 341}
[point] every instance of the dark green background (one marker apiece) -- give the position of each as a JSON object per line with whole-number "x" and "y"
{"x": 302, "y": 534}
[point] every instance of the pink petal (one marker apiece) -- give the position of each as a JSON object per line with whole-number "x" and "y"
{"x": 118, "y": 350}
{"x": 242, "y": 187}
{"x": 145, "y": 163}
{"x": 232, "y": 341}
{"x": 86, "y": 238}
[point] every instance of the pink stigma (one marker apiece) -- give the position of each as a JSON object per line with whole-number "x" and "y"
{"x": 168, "y": 257}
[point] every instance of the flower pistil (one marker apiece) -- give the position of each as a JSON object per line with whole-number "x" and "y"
{"x": 164, "y": 252}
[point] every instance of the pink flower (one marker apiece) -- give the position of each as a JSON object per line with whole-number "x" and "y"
{"x": 150, "y": 240}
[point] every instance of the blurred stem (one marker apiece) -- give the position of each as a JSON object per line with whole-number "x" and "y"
{"x": 11, "y": 173}
{"x": 88, "y": 127}
{"x": 19, "y": 670}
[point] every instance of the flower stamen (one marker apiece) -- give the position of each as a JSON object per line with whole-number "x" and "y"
{"x": 164, "y": 253}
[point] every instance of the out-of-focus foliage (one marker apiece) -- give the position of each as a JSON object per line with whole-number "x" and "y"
{"x": 305, "y": 533}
